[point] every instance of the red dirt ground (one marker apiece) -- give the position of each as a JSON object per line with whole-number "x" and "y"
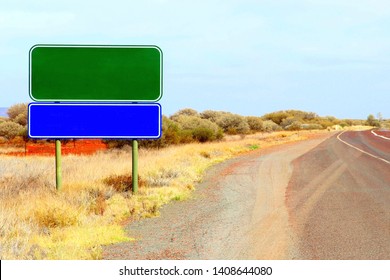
{"x": 78, "y": 147}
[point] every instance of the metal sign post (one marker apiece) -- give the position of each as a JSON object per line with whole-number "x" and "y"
{"x": 58, "y": 166}
{"x": 135, "y": 166}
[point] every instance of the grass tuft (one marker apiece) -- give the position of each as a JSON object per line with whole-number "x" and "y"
{"x": 83, "y": 242}
{"x": 122, "y": 183}
{"x": 253, "y": 147}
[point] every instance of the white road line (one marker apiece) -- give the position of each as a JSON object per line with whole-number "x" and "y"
{"x": 377, "y": 135}
{"x": 360, "y": 150}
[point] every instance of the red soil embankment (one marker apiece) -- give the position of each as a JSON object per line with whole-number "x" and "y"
{"x": 78, "y": 147}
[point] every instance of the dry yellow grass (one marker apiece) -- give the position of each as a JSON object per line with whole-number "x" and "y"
{"x": 39, "y": 223}
{"x": 358, "y": 127}
{"x": 6, "y": 149}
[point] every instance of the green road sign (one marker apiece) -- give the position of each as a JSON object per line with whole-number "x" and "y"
{"x": 95, "y": 73}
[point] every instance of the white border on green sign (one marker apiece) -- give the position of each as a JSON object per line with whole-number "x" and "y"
{"x": 95, "y": 46}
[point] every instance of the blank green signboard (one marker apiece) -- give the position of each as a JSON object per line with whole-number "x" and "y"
{"x": 95, "y": 73}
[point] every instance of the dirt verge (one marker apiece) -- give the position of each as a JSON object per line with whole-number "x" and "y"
{"x": 237, "y": 212}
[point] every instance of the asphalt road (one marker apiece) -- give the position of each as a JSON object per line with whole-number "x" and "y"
{"x": 339, "y": 198}
{"x": 325, "y": 198}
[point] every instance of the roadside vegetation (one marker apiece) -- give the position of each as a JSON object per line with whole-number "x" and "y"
{"x": 189, "y": 126}
{"x": 37, "y": 222}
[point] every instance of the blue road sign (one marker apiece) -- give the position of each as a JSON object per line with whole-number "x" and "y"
{"x": 94, "y": 120}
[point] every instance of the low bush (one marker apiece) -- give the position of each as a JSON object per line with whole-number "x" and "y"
{"x": 270, "y": 126}
{"x": 122, "y": 183}
{"x": 18, "y": 113}
{"x": 255, "y": 123}
{"x": 202, "y": 130}
{"x": 203, "y": 134}
{"x": 56, "y": 214}
{"x": 9, "y": 129}
{"x": 233, "y": 124}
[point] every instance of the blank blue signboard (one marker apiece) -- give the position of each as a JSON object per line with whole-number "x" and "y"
{"x": 83, "y": 120}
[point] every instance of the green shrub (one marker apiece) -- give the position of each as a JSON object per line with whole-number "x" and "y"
{"x": 203, "y": 134}
{"x": 18, "y": 113}
{"x": 184, "y": 112}
{"x": 202, "y": 130}
{"x": 372, "y": 121}
{"x": 9, "y": 129}
{"x": 233, "y": 124}
{"x": 269, "y": 126}
{"x": 296, "y": 125}
{"x": 276, "y": 117}
{"x": 280, "y": 117}
{"x": 212, "y": 115}
{"x": 288, "y": 122}
{"x": 171, "y": 135}
{"x": 325, "y": 122}
{"x": 311, "y": 126}
{"x": 255, "y": 123}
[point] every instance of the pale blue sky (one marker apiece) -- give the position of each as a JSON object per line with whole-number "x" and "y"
{"x": 249, "y": 57}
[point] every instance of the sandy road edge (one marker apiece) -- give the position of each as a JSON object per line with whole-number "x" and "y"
{"x": 272, "y": 236}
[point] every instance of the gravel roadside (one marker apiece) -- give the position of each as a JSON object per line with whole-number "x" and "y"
{"x": 237, "y": 212}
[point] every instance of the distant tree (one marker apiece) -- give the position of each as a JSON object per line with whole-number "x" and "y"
{"x": 18, "y": 113}
{"x": 371, "y": 121}
{"x": 379, "y": 116}
{"x": 370, "y": 118}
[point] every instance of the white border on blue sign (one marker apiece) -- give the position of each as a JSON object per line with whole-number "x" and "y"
{"x": 140, "y": 137}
